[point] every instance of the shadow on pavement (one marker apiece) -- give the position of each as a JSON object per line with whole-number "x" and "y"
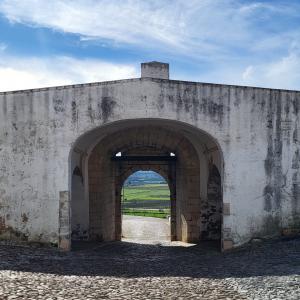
{"x": 126, "y": 259}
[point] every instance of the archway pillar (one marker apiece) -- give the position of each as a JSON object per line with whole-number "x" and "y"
{"x": 64, "y": 242}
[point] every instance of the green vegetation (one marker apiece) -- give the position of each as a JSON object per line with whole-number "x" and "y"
{"x": 146, "y": 192}
{"x": 151, "y": 200}
{"x": 155, "y": 213}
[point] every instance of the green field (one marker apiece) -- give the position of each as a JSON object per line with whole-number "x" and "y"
{"x": 151, "y": 200}
{"x": 147, "y": 213}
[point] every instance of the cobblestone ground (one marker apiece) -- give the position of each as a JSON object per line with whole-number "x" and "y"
{"x": 137, "y": 271}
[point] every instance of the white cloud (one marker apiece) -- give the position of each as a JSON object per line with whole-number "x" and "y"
{"x": 282, "y": 73}
{"x": 206, "y": 28}
{"x": 248, "y": 73}
{"x": 26, "y": 73}
{"x": 237, "y": 42}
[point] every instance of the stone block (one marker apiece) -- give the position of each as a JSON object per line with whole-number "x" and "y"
{"x": 226, "y": 209}
{"x": 227, "y": 245}
{"x": 227, "y": 233}
{"x": 65, "y": 244}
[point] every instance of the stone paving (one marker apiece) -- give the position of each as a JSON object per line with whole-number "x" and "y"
{"x": 145, "y": 228}
{"x": 126, "y": 270}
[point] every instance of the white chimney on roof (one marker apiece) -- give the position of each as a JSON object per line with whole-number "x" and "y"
{"x": 155, "y": 69}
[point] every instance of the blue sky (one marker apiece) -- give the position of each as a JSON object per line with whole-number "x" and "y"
{"x": 45, "y": 43}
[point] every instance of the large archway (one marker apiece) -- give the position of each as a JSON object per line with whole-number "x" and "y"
{"x": 146, "y": 144}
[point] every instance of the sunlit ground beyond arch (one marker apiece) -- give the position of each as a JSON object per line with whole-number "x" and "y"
{"x": 145, "y": 207}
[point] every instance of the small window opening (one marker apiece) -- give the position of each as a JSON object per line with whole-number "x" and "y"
{"x": 119, "y": 154}
{"x": 172, "y": 154}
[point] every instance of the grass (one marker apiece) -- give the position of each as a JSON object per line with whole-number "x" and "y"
{"x": 147, "y": 192}
{"x": 147, "y": 213}
{"x": 150, "y": 200}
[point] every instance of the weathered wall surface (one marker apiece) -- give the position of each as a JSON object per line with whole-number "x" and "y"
{"x": 258, "y": 131}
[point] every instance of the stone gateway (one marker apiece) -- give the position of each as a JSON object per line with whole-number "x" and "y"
{"x": 230, "y": 154}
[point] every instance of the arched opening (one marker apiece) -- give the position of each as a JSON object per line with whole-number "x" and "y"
{"x": 146, "y": 207}
{"x": 185, "y": 156}
{"x": 144, "y": 159}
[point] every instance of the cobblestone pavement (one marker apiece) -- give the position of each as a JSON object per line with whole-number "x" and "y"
{"x": 124, "y": 270}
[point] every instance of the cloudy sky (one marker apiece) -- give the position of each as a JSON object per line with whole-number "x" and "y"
{"x": 57, "y": 42}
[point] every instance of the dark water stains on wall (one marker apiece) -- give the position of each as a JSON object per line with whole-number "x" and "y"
{"x": 271, "y": 225}
{"x": 215, "y": 109}
{"x": 160, "y": 102}
{"x": 91, "y": 113}
{"x": 296, "y": 197}
{"x": 273, "y": 162}
{"x": 296, "y": 135}
{"x": 287, "y": 105}
{"x": 107, "y": 106}
{"x": 269, "y": 161}
{"x": 14, "y": 112}
{"x": 4, "y": 105}
{"x": 24, "y": 218}
{"x": 58, "y": 105}
{"x": 15, "y": 126}
{"x": 194, "y": 101}
{"x": 2, "y": 224}
{"x": 90, "y": 110}
{"x": 278, "y": 175}
{"x": 214, "y": 105}
{"x": 57, "y": 124}
{"x": 79, "y": 234}
{"x": 296, "y": 160}
{"x": 30, "y": 104}
{"x": 74, "y": 112}
{"x": 296, "y": 105}
{"x": 237, "y": 97}
{"x": 268, "y": 196}
{"x": 179, "y": 104}
{"x": 7, "y": 232}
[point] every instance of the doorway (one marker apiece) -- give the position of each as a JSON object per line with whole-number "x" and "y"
{"x": 146, "y": 207}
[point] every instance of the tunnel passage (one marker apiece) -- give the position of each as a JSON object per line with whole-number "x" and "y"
{"x": 127, "y": 164}
{"x": 146, "y": 145}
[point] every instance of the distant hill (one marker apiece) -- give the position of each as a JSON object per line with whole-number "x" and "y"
{"x": 144, "y": 177}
